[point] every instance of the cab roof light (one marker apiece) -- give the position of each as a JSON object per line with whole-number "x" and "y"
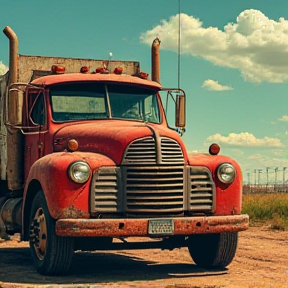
{"x": 84, "y": 69}
{"x": 118, "y": 70}
{"x": 99, "y": 70}
{"x": 143, "y": 75}
{"x": 57, "y": 69}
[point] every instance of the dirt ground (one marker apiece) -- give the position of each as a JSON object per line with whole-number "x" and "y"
{"x": 261, "y": 261}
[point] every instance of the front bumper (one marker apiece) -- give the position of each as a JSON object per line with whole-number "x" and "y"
{"x": 139, "y": 227}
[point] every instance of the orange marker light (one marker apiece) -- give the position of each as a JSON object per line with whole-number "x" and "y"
{"x": 56, "y": 69}
{"x": 214, "y": 149}
{"x": 118, "y": 70}
{"x": 99, "y": 70}
{"x": 84, "y": 69}
{"x": 72, "y": 145}
{"x": 143, "y": 75}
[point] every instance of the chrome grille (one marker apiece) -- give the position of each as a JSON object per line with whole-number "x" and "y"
{"x": 201, "y": 190}
{"x": 150, "y": 180}
{"x": 145, "y": 151}
{"x": 142, "y": 150}
{"x": 171, "y": 151}
{"x": 154, "y": 189}
{"x": 104, "y": 197}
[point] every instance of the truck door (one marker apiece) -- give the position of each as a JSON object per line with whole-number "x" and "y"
{"x": 36, "y": 128}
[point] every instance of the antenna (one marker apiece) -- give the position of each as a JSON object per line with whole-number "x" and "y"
{"x": 179, "y": 42}
{"x": 110, "y": 58}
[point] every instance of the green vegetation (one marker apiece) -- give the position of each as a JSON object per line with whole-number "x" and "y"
{"x": 270, "y": 209}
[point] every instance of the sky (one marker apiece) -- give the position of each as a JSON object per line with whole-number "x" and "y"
{"x": 233, "y": 63}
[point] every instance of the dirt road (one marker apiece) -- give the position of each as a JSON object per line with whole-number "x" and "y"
{"x": 261, "y": 261}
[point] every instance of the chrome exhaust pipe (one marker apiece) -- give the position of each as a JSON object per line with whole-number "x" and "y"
{"x": 155, "y": 58}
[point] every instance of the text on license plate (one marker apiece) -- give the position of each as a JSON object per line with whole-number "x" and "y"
{"x": 161, "y": 227}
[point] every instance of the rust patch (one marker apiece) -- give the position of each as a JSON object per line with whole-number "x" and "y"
{"x": 139, "y": 227}
{"x": 72, "y": 212}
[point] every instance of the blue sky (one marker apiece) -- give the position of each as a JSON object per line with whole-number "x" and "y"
{"x": 233, "y": 68}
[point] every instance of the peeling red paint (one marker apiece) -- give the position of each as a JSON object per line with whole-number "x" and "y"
{"x": 61, "y": 192}
{"x": 72, "y": 212}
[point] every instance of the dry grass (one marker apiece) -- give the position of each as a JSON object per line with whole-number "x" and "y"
{"x": 271, "y": 209}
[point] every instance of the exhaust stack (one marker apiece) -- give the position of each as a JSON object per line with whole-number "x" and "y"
{"x": 14, "y": 167}
{"x": 155, "y": 57}
{"x": 13, "y": 54}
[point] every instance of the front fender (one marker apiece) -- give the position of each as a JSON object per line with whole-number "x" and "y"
{"x": 228, "y": 197}
{"x": 65, "y": 198}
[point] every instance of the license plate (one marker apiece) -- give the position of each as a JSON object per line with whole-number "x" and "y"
{"x": 161, "y": 227}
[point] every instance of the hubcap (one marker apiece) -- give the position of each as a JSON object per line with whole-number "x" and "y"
{"x": 38, "y": 233}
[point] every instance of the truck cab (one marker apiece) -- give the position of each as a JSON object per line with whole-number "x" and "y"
{"x": 89, "y": 158}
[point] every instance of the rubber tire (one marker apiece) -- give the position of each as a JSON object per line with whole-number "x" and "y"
{"x": 213, "y": 250}
{"x": 59, "y": 250}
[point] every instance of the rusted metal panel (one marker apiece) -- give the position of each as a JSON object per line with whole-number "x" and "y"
{"x": 65, "y": 198}
{"x": 29, "y": 63}
{"x": 11, "y": 156}
{"x": 11, "y": 214}
{"x": 139, "y": 227}
{"x": 3, "y": 131}
{"x": 14, "y": 138}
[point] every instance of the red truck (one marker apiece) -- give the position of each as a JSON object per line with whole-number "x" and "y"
{"x": 89, "y": 162}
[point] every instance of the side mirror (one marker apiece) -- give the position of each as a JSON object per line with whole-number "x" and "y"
{"x": 15, "y": 105}
{"x": 180, "y": 111}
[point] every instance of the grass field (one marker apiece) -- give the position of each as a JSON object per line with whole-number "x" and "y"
{"x": 270, "y": 208}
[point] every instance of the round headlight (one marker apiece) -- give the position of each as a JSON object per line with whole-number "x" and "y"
{"x": 79, "y": 171}
{"x": 226, "y": 173}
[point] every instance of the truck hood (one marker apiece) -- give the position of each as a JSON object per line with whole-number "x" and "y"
{"x": 109, "y": 138}
{"x": 211, "y": 161}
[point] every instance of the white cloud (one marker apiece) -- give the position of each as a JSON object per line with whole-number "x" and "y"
{"x": 237, "y": 151}
{"x": 254, "y": 44}
{"x": 255, "y": 157}
{"x": 212, "y": 85}
{"x": 244, "y": 139}
{"x": 283, "y": 118}
{"x": 3, "y": 68}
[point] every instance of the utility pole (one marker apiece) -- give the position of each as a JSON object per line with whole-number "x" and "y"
{"x": 248, "y": 177}
{"x": 276, "y": 170}
{"x": 259, "y": 171}
{"x": 255, "y": 176}
{"x": 284, "y": 168}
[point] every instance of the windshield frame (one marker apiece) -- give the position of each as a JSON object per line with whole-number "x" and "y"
{"x": 111, "y": 94}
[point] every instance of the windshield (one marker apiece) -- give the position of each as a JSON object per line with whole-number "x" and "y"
{"x": 86, "y": 101}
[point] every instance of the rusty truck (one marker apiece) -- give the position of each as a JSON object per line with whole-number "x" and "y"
{"x": 88, "y": 162}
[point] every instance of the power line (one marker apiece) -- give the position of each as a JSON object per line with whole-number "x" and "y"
{"x": 179, "y": 41}
{"x": 269, "y": 179}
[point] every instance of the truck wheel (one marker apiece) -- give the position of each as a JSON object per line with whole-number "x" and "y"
{"x": 52, "y": 255}
{"x": 213, "y": 250}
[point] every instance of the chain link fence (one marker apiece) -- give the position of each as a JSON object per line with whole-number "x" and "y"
{"x": 265, "y": 188}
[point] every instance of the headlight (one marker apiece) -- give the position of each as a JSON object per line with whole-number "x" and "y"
{"x": 79, "y": 171}
{"x": 226, "y": 173}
